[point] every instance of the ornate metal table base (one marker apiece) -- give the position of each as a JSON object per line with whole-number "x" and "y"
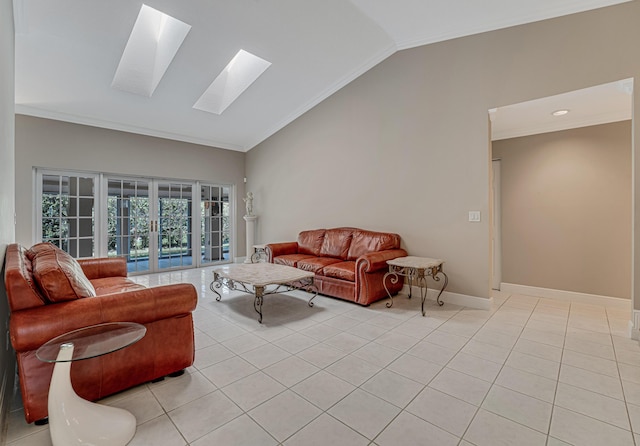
{"x": 415, "y": 269}
{"x": 259, "y": 291}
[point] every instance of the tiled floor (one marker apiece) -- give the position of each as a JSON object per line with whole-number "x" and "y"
{"x": 530, "y": 372}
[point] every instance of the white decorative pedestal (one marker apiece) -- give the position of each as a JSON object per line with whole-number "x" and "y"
{"x": 251, "y": 231}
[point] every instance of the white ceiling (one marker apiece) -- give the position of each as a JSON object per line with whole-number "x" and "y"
{"x": 600, "y": 104}
{"x": 67, "y": 52}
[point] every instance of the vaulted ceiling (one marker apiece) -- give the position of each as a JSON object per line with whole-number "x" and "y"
{"x": 68, "y": 51}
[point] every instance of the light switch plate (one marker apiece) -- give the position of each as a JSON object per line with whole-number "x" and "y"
{"x": 474, "y": 216}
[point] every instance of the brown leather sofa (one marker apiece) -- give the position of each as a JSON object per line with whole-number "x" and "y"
{"x": 348, "y": 263}
{"x": 51, "y": 293}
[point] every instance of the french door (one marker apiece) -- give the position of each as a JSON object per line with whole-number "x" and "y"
{"x": 152, "y": 223}
{"x": 155, "y": 224}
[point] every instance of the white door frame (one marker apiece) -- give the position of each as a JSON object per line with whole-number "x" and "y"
{"x": 496, "y": 242}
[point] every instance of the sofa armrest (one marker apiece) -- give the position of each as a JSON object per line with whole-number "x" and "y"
{"x": 97, "y": 268}
{"x": 33, "y": 327}
{"x": 376, "y": 261}
{"x": 279, "y": 249}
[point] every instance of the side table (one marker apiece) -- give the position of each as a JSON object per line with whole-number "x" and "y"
{"x": 259, "y": 253}
{"x": 74, "y": 420}
{"x": 415, "y": 269}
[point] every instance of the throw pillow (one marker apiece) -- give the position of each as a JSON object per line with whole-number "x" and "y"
{"x": 60, "y": 276}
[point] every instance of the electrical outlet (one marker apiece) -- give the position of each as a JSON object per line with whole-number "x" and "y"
{"x": 474, "y": 216}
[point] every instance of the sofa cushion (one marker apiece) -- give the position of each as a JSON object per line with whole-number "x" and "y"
{"x": 111, "y": 285}
{"x": 59, "y": 276}
{"x": 316, "y": 264}
{"x": 364, "y": 242}
{"x": 291, "y": 259}
{"x": 39, "y": 248}
{"x": 342, "y": 270}
{"x": 310, "y": 242}
{"x": 336, "y": 243}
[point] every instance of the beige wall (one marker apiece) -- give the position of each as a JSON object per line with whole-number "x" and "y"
{"x": 566, "y": 209}
{"x": 54, "y": 144}
{"x": 404, "y": 147}
{"x": 7, "y": 204}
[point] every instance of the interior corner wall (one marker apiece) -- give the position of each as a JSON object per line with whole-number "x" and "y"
{"x": 7, "y": 203}
{"x": 566, "y": 209}
{"x": 404, "y": 148}
{"x": 61, "y": 145}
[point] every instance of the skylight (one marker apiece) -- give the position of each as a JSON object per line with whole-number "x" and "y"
{"x": 238, "y": 75}
{"x": 153, "y": 43}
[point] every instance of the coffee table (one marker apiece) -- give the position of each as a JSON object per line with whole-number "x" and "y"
{"x": 74, "y": 420}
{"x": 254, "y": 278}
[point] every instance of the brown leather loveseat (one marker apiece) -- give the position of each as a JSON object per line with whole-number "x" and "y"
{"x": 50, "y": 293}
{"x": 348, "y": 263}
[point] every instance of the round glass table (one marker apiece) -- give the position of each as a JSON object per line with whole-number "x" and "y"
{"x": 74, "y": 420}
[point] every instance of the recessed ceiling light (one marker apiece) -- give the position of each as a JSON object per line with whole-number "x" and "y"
{"x": 560, "y": 112}
{"x": 237, "y": 76}
{"x": 152, "y": 45}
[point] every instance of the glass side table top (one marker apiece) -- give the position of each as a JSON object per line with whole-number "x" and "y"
{"x": 95, "y": 340}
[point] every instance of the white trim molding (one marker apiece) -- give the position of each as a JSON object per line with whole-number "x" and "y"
{"x": 634, "y": 325}
{"x": 480, "y": 303}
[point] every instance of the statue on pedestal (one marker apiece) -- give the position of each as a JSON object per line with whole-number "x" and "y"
{"x": 248, "y": 201}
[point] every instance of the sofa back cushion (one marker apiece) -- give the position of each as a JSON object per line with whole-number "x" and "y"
{"x": 336, "y": 243}
{"x": 364, "y": 242}
{"x": 310, "y": 242}
{"x": 59, "y": 276}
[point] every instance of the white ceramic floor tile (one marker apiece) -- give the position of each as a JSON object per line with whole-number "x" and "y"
{"x": 291, "y": 371}
{"x": 242, "y": 431}
{"x": 393, "y": 388}
{"x": 591, "y": 348}
{"x": 519, "y": 407}
{"x": 175, "y": 392}
{"x": 253, "y": 390}
{"x": 432, "y": 352}
{"x": 284, "y": 414}
{"x": 323, "y": 389}
{"x": 142, "y": 404}
{"x": 600, "y": 407}
{"x": 408, "y": 429}
{"x": 543, "y": 351}
{"x": 213, "y": 354}
{"x": 199, "y": 417}
{"x": 442, "y": 410}
{"x": 486, "y": 351}
{"x": 461, "y": 386}
{"x": 326, "y": 430}
{"x": 377, "y": 354}
{"x": 415, "y": 368}
{"x": 353, "y": 370}
{"x": 231, "y": 370}
{"x": 446, "y": 339}
{"x": 321, "y": 355}
{"x": 396, "y": 341}
{"x": 475, "y": 366}
{"x": 488, "y": 429}
{"x": 634, "y": 417}
{"x": 157, "y": 431}
{"x": 578, "y": 429}
{"x": 346, "y": 342}
{"x": 592, "y": 363}
{"x": 244, "y": 343}
{"x": 265, "y": 355}
{"x": 295, "y": 343}
{"x": 595, "y": 382}
{"x": 39, "y": 438}
{"x": 364, "y": 413}
{"x": 534, "y": 364}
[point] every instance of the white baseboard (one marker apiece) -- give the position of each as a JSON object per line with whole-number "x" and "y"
{"x": 464, "y": 300}
{"x": 634, "y": 325}
{"x": 549, "y": 293}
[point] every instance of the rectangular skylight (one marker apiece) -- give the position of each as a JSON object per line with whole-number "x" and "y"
{"x": 153, "y": 43}
{"x": 237, "y": 76}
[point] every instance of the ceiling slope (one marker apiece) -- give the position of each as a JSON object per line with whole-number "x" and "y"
{"x": 67, "y": 53}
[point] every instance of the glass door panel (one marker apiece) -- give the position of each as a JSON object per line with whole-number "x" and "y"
{"x": 175, "y": 223}
{"x": 128, "y": 222}
{"x": 68, "y": 213}
{"x": 214, "y": 223}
